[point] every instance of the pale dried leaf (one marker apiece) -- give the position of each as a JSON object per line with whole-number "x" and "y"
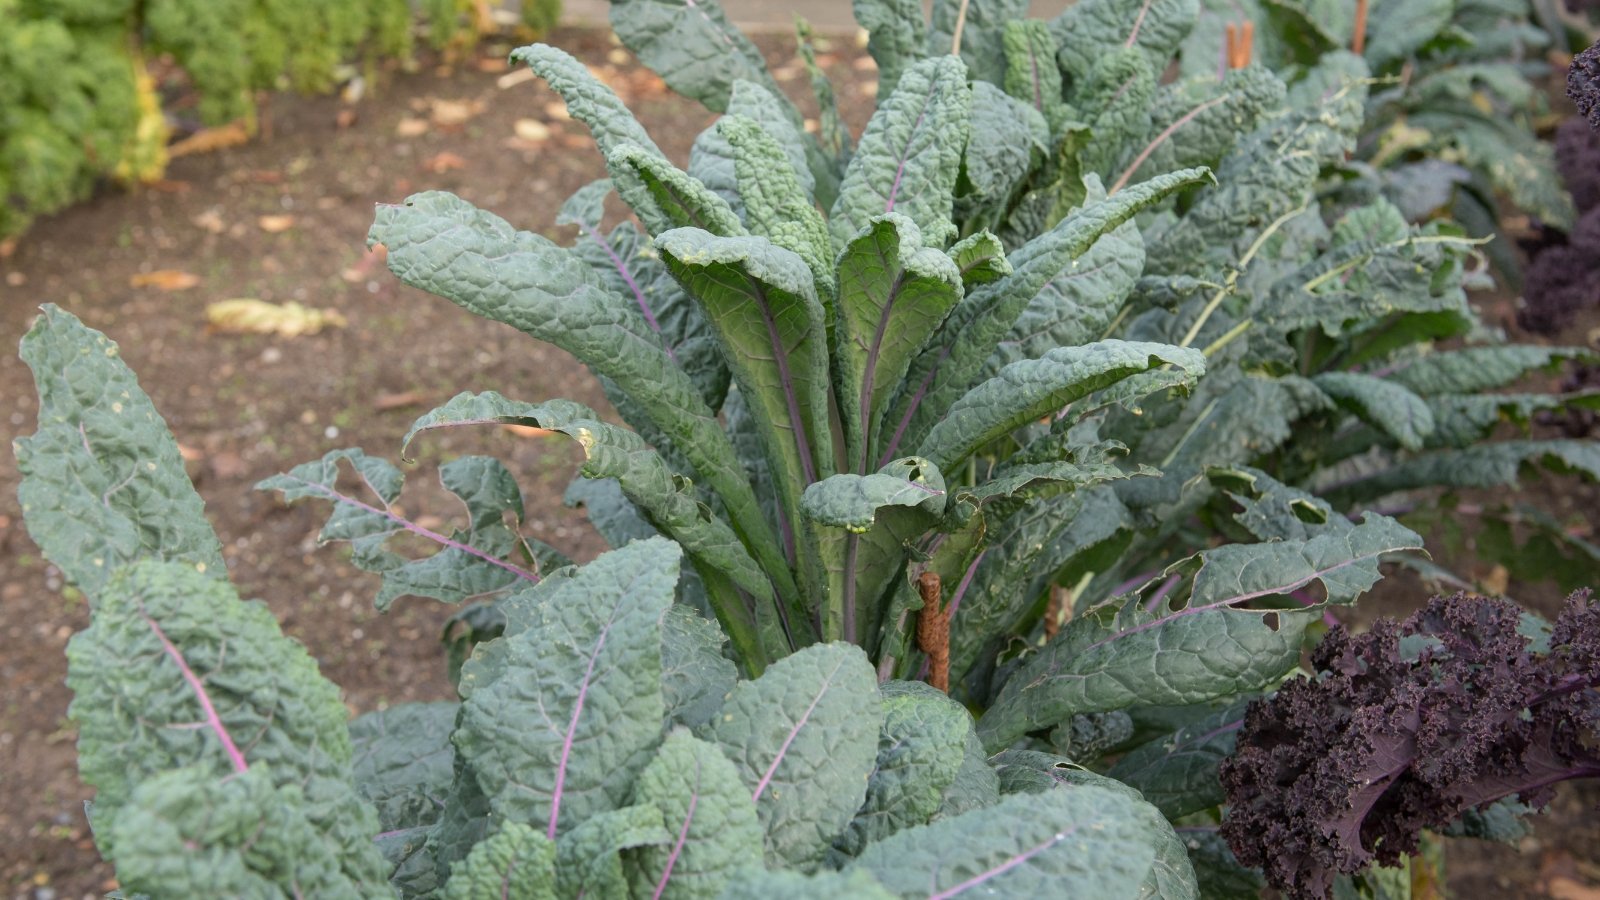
{"x": 250, "y": 316}
{"x": 275, "y": 224}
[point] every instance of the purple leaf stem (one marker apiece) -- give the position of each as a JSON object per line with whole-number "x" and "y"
{"x": 905, "y": 152}
{"x": 780, "y": 356}
{"x": 683, "y": 835}
{"x": 420, "y": 531}
{"x": 633, "y": 285}
{"x": 871, "y": 371}
{"x": 572, "y": 727}
{"x": 213, "y": 721}
{"x": 1154, "y": 603}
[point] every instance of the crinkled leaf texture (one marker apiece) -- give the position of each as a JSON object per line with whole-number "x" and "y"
{"x": 1085, "y": 842}
{"x": 558, "y": 712}
{"x": 804, "y": 737}
{"x": 175, "y": 672}
{"x": 708, "y": 812}
{"x": 102, "y": 482}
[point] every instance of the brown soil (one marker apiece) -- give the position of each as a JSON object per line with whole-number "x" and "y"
{"x": 250, "y": 406}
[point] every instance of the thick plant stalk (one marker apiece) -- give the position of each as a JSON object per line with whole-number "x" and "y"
{"x": 1358, "y": 40}
{"x": 933, "y": 632}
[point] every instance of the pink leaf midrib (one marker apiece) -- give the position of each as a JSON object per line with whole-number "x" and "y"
{"x": 794, "y": 732}
{"x": 213, "y": 719}
{"x": 572, "y": 726}
{"x": 683, "y": 834}
{"x": 1004, "y": 867}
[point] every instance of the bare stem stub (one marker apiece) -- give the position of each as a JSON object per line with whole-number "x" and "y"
{"x": 933, "y": 632}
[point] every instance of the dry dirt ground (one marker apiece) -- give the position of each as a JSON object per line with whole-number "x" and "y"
{"x": 284, "y": 218}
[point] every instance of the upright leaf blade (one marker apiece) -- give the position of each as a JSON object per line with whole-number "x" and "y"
{"x": 693, "y": 47}
{"x": 102, "y": 482}
{"x": 946, "y": 369}
{"x": 893, "y": 293}
{"x": 762, "y": 302}
{"x": 776, "y": 205}
{"x": 910, "y": 155}
{"x": 894, "y": 36}
{"x": 804, "y": 737}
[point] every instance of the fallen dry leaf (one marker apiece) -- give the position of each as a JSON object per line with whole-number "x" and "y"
{"x": 386, "y": 402}
{"x": 247, "y": 315}
{"x": 275, "y": 224}
{"x": 443, "y": 162}
{"x": 210, "y": 220}
{"x": 451, "y": 113}
{"x": 8, "y": 247}
{"x": 1496, "y": 582}
{"x": 532, "y": 130}
{"x": 190, "y": 454}
{"x": 493, "y": 64}
{"x": 558, "y": 111}
{"x": 345, "y": 118}
{"x": 208, "y": 139}
{"x": 513, "y": 78}
{"x": 618, "y": 56}
{"x": 165, "y": 280}
{"x": 410, "y": 127}
{"x": 527, "y": 431}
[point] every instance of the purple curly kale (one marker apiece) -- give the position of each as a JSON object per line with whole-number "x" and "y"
{"x": 1407, "y": 727}
{"x": 1578, "y": 161}
{"x": 1563, "y": 279}
{"x": 1583, "y": 83}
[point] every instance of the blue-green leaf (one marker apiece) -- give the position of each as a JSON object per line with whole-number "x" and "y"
{"x": 910, "y": 155}
{"x": 102, "y": 482}
{"x": 708, "y": 812}
{"x": 804, "y": 737}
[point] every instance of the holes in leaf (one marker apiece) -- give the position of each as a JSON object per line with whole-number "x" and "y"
{"x": 1308, "y": 512}
{"x": 1270, "y": 620}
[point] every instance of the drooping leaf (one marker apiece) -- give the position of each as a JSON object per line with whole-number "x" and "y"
{"x": 910, "y": 155}
{"x": 1221, "y": 642}
{"x": 588, "y": 99}
{"x": 667, "y": 500}
{"x": 488, "y": 559}
{"x": 103, "y": 484}
{"x": 1086, "y": 842}
{"x": 945, "y": 370}
{"x": 1484, "y": 466}
{"x": 1387, "y": 406}
{"x": 893, "y": 293}
{"x": 981, "y": 258}
{"x": 708, "y": 812}
{"x": 578, "y": 682}
{"x": 1473, "y": 369}
{"x": 693, "y": 47}
{"x": 440, "y": 243}
{"x": 1026, "y": 390}
{"x": 666, "y": 197}
{"x": 804, "y": 737}
{"x": 628, "y": 266}
{"x": 175, "y": 673}
{"x": 1006, "y": 140}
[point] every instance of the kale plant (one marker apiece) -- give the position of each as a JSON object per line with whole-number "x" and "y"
{"x": 1002, "y": 419}
{"x": 1467, "y": 704}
